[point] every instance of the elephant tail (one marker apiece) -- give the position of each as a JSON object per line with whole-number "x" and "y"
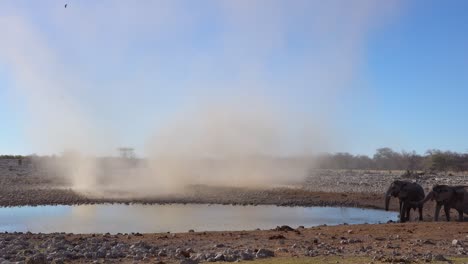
{"x": 430, "y": 196}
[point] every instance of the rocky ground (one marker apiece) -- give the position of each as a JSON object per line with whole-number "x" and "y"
{"x": 29, "y": 184}
{"x": 396, "y": 243}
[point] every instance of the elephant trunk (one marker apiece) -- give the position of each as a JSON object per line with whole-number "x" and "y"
{"x": 388, "y": 195}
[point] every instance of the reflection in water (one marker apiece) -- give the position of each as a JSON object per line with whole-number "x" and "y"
{"x": 176, "y": 218}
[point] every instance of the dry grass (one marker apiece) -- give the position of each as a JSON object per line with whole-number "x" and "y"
{"x": 333, "y": 260}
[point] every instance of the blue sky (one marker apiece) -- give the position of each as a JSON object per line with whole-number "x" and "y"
{"x": 418, "y": 69}
{"x": 362, "y": 74}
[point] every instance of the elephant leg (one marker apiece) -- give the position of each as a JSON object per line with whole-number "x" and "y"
{"x": 403, "y": 213}
{"x": 399, "y": 210}
{"x": 460, "y": 215}
{"x": 408, "y": 211}
{"x": 436, "y": 213}
{"x": 420, "y": 213}
{"x": 447, "y": 212}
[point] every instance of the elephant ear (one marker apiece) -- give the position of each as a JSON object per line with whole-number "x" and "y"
{"x": 403, "y": 192}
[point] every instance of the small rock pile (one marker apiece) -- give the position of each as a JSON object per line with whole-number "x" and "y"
{"x": 58, "y": 249}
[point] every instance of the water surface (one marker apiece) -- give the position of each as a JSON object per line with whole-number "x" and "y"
{"x": 121, "y": 218}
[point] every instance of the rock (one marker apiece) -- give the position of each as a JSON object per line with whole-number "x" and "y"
{"x": 219, "y": 257}
{"x": 219, "y": 245}
{"x": 264, "y": 253}
{"x": 58, "y": 261}
{"x": 199, "y": 257}
{"x": 188, "y": 261}
{"x": 276, "y": 237}
{"x": 439, "y": 257}
{"x": 227, "y": 251}
{"x": 191, "y": 231}
{"x": 455, "y": 243}
{"x": 182, "y": 253}
{"x": 428, "y": 242}
{"x": 246, "y": 256}
{"x": 114, "y": 254}
{"x": 284, "y": 228}
{"x": 461, "y": 251}
{"x": 89, "y": 255}
{"x": 37, "y": 259}
{"x": 231, "y": 258}
{"x": 101, "y": 253}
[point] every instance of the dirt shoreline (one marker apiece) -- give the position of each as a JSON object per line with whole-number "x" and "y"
{"x": 234, "y": 196}
{"x": 230, "y": 196}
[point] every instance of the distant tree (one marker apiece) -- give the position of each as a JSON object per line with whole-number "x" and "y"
{"x": 126, "y": 153}
{"x": 464, "y": 162}
{"x": 439, "y": 160}
{"x": 364, "y": 162}
{"x": 412, "y": 161}
{"x": 343, "y": 160}
{"x": 386, "y": 158}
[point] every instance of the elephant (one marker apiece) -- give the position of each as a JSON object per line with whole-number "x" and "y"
{"x": 409, "y": 194}
{"x": 450, "y": 197}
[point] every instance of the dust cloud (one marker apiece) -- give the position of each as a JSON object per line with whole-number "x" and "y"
{"x": 226, "y": 144}
{"x": 219, "y": 114}
{"x": 219, "y": 144}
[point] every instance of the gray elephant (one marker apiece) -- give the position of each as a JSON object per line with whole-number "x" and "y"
{"x": 409, "y": 194}
{"x": 455, "y": 197}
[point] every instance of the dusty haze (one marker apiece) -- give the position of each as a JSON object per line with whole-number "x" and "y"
{"x": 230, "y": 123}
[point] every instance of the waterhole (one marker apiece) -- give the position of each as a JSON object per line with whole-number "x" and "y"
{"x": 120, "y": 218}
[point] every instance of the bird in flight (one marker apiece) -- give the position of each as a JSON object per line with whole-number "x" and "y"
{"x": 66, "y": 5}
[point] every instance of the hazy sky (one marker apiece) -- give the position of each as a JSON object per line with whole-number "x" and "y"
{"x": 365, "y": 73}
